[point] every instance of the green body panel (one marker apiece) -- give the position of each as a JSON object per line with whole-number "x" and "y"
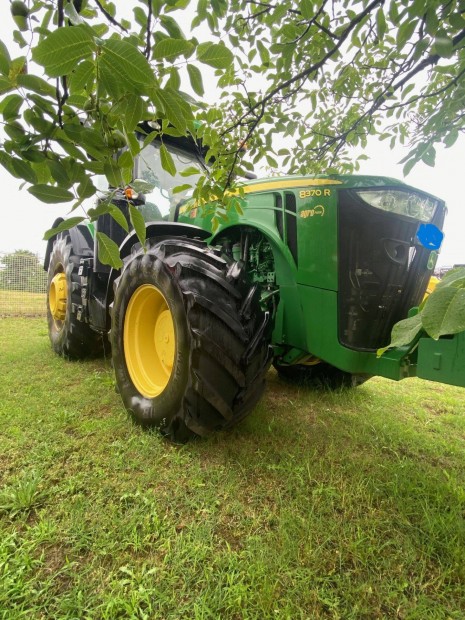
{"x": 319, "y": 308}
{"x": 306, "y": 319}
{"x": 442, "y": 360}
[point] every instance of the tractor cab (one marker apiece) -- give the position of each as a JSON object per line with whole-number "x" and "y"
{"x": 168, "y": 190}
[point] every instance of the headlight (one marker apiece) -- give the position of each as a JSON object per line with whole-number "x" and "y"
{"x": 417, "y": 206}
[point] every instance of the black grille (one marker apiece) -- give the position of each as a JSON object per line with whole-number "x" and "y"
{"x": 382, "y": 271}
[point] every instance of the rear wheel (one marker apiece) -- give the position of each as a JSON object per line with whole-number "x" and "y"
{"x": 320, "y": 375}
{"x": 189, "y": 339}
{"x": 69, "y": 336}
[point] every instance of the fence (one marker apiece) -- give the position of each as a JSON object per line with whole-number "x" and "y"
{"x": 23, "y": 284}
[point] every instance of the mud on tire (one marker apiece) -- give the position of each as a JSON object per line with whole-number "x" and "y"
{"x": 221, "y": 352}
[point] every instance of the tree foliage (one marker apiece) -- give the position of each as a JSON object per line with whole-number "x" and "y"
{"x": 340, "y": 72}
{"x": 324, "y": 75}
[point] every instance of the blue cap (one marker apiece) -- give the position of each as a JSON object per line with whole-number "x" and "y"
{"x": 430, "y": 236}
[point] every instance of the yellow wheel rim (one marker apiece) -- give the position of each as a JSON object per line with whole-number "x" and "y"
{"x": 58, "y": 296}
{"x": 149, "y": 341}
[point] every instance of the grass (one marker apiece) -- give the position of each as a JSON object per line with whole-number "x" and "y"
{"x": 20, "y": 303}
{"x": 347, "y": 505}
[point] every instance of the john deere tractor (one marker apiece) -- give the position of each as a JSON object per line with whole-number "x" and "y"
{"x": 310, "y": 277}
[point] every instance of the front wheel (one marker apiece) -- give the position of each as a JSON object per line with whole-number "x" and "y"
{"x": 189, "y": 339}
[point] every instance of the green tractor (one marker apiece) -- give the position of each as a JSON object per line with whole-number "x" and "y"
{"x": 310, "y": 277}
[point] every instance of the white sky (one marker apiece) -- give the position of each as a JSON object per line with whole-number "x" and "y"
{"x": 25, "y": 219}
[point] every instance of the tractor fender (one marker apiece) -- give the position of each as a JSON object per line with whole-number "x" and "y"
{"x": 163, "y": 229}
{"x": 153, "y": 229}
{"x": 81, "y": 240}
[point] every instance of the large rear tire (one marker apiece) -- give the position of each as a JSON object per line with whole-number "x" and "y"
{"x": 69, "y": 336}
{"x": 190, "y": 342}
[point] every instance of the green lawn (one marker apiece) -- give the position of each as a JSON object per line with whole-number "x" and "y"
{"x": 19, "y": 303}
{"x": 345, "y": 505}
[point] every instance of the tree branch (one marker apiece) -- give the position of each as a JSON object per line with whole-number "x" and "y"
{"x": 315, "y": 67}
{"x": 109, "y": 17}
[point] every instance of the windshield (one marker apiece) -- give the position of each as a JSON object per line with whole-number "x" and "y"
{"x": 149, "y": 169}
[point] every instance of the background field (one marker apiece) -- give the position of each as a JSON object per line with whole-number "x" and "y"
{"x": 345, "y": 505}
{"x": 19, "y": 303}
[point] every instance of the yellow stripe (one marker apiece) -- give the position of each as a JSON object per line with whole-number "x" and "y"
{"x": 280, "y": 184}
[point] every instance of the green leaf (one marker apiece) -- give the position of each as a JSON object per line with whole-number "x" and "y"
{"x": 306, "y": 8}
{"x": 5, "y": 85}
{"x": 5, "y": 59}
{"x": 50, "y": 194}
{"x": 215, "y": 55}
{"x": 195, "y": 78}
{"x": 66, "y": 225}
{"x": 171, "y": 26}
{"x": 444, "y": 312}
{"x": 454, "y": 277}
{"x": 130, "y": 109}
{"x": 18, "y": 168}
{"x": 127, "y": 65}
{"x": 187, "y": 172}
{"x": 102, "y": 208}
{"x": 108, "y": 251}
{"x": 23, "y": 170}
{"x": 82, "y": 76}
{"x": 172, "y": 48}
{"x": 137, "y": 220}
{"x": 59, "y": 172}
{"x": 118, "y": 216}
{"x": 10, "y": 106}
{"x": 429, "y": 157}
{"x": 126, "y": 160}
{"x": 167, "y": 161}
{"x": 174, "y": 81}
{"x": 444, "y": 46}
{"x": 86, "y": 189}
{"x": 142, "y": 187}
{"x": 409, "y": 165}
{"x": 72, "y": 14}
{"x": 264, "y": 52}
{"x": 113, "y": 173}
{"x": 173, "y": 111}
{"x": 63, "y": 49}
{"x": 36, "y": 84}
{"x": 403, "y": 333}
{"x": 381, "y": 25}
{"x": 451, "y": 138}
{"x": 181, "y": 188}
{"x": 405, "y": 32}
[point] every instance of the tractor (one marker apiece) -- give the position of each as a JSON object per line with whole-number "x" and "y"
{"x": 310, "y": 277}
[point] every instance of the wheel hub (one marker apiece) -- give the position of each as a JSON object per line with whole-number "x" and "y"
{"x": 149, "y": 340}
{"x": 58, "y": 296}
{"x": 164, "y": 339}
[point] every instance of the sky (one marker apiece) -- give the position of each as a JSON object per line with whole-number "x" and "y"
{"x": 25, "y": 219}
